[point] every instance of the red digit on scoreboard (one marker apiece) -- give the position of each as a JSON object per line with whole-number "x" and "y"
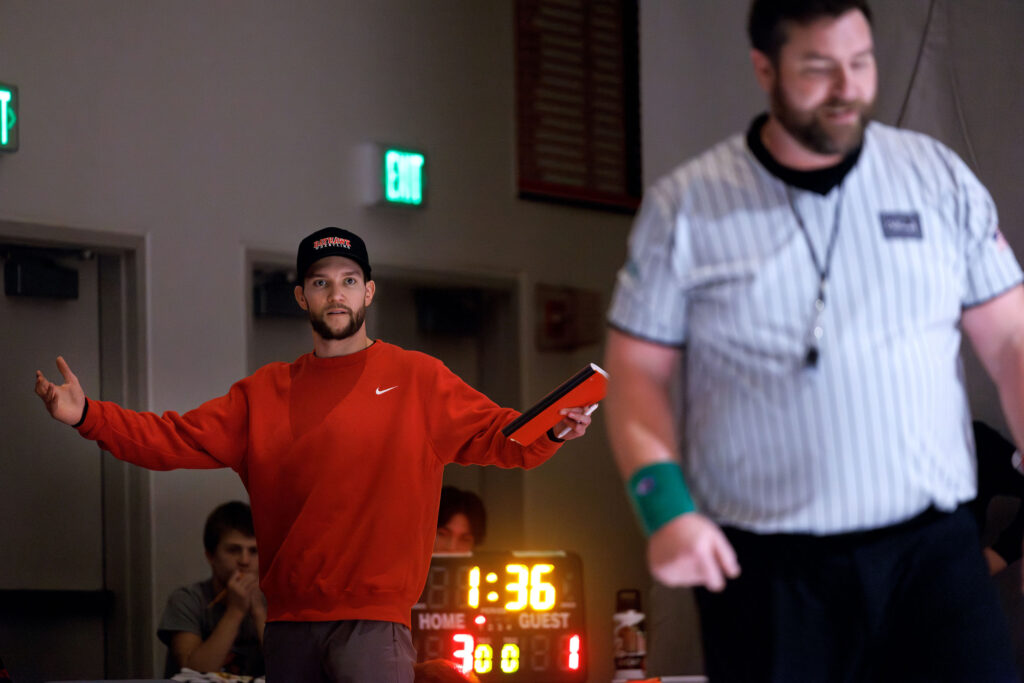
{"x": 574, "y": 652}
{"x": 464, "y": 655}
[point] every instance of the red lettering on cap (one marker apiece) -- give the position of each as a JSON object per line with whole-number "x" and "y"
{"x": 332, "y": 242}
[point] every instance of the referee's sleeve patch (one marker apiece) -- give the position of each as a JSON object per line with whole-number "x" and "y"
{"x": 1000, "y": 240}
{"x": 901, "y": 225}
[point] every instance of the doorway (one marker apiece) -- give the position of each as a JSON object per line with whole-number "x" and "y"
{"x": 74, "y": 595}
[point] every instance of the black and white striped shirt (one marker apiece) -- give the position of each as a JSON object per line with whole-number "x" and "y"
{"x": 880, "y": 428}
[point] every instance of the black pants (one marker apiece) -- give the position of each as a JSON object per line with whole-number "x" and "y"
{"x": 912, "y": 602}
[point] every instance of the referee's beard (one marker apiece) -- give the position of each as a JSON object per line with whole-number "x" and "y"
{"x": 811, "y": 128}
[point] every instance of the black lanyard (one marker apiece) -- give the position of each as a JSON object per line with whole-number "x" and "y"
{"x": 816, "y": 331}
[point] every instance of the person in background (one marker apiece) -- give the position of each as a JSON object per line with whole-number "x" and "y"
{"x": 999, "y": 474}
{"x": 802, "y": 289}
{"x": 461, "y": 521}
{"x": 217, "y": 624}
{"x": 342, "y": 453}
{"x": 1000, "y": 485}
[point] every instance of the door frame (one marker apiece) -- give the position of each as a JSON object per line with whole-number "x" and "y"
{"x": 125, "y": 490}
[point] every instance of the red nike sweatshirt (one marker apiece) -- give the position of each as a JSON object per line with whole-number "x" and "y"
{"x": 342, "y": 458}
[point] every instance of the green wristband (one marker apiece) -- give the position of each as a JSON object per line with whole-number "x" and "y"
{"x": 659, "y": 494}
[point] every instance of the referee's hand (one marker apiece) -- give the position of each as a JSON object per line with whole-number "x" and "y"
{"x": 691, "y": 550}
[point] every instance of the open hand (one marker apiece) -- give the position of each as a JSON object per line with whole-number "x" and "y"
{"x": 691, "y": 550}
{"x": 65, "y": 402}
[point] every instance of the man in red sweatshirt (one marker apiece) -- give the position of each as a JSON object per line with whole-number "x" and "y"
{"x": 342, "y": 453}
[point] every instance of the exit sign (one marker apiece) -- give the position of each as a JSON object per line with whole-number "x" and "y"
{"x": 8, "y": 118}
{"x": 404, "y": 176}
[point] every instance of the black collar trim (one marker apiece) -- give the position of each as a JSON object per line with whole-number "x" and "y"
{"x": 821, "y": 180}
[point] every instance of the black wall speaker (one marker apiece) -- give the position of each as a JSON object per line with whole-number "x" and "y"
{"x": 39, "y": 278}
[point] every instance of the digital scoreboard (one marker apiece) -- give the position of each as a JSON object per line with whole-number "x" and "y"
{"x": 506, "y": 616}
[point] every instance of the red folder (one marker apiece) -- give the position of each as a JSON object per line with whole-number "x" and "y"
{"x": 585, "y": 387}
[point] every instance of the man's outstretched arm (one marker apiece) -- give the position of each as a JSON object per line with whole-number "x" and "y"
{"x": 687, "y": 549}
{"x": 213, "y": 435}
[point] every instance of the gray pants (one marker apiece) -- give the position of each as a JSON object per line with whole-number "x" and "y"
{"x": 348, "y": 651}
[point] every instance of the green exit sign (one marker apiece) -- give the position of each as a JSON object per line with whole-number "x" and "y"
{"x": 404, "y": 176}
{"x": 8, "y": 118}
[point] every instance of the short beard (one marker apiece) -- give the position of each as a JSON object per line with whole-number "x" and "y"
{"x": 809, "y": 131}
{"x": 355, "y": 321}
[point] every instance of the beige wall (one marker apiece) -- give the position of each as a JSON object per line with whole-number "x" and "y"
{"x": 215, "y": 127}
{"x": 210, "y": 128}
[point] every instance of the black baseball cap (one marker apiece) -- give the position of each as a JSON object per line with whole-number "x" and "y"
{"x": 331, "y": 242}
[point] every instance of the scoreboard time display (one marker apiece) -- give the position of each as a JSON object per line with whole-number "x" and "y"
{"x": 506, "y": 616}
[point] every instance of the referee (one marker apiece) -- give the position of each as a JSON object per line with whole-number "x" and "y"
{"x": 812, "y": 277}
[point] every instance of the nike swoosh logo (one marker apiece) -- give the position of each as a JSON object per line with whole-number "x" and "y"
{"x": 384, "y": 391}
